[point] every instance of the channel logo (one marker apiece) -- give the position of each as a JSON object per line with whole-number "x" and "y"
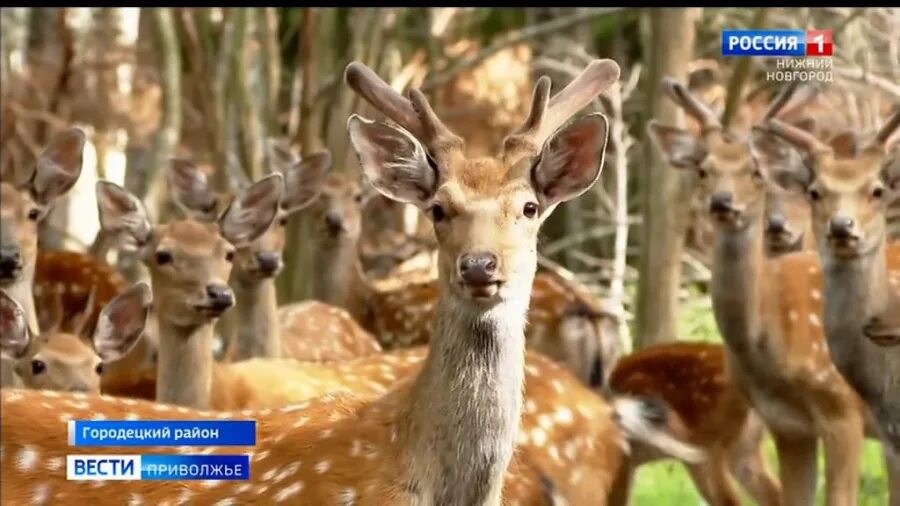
{"x": 777, "y": 43}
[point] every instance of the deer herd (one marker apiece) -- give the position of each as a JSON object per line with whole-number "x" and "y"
{"x": 486, "y": 383}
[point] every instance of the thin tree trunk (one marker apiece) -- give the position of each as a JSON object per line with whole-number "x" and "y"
{"x": 670, "y": 47}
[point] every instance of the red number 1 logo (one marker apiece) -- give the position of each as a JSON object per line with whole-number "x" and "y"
{"x": 818, "y": 43}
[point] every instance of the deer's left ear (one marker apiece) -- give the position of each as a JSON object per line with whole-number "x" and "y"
{"x": 58, "y": 167}
{"x": 779, "y": 161}
{"x": 571, "y": 160}
{"x": 252, "y": 211}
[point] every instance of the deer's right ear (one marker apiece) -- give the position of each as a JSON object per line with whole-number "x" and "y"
{"x": 304, "y": 180}
{"x": 15, "y": 336}
{"x": 252, "y": 211}
{"x": 393, "y": 161}
{"x": 680, "y": 149}
{"x": 58, "y": 167}
{"x": 780, "y": 162}
{"x": 121, "y": 323}
{"x": 123, "y": 214}
{"x": 191, "y": 190}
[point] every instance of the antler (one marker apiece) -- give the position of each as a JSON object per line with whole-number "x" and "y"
{"x": 709, "y": 122}
{"x": 414, "y": 114}
{"x": 798, "y": 137}
{"x": 888, "y": 128}
{"x": 547, "y": 115}
{"x": 781, "y": 100}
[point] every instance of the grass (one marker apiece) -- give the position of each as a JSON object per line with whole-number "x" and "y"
{"x": 667, "y": 482}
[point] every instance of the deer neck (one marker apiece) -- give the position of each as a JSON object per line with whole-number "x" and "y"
{"x": 739, "y": 263}
{"x": 20, "y": 291}
{"x": 856, "y": 289}
{"x": 255, "y": 318}
{"x": 466, "y": 403}
{"x": 185, "y": 364}
{"x": 339, "y": 279}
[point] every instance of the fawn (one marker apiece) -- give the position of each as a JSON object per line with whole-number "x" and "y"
{"x": 64, "y": 362}
{"x": 24, "y": 202}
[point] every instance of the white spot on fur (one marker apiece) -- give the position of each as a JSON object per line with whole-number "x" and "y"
{"x": 53, "y": 463}
{"x": 348, "y": 496}
{"x": 135, "y": 500}
{"x": 26, "y": 458}
{"x": 41, "y": 494}
{"x": 564, "y": 415}
{"x": 539, "y": 437}
{"x": 261, "y": 455}
{"x": 288, "y": 491}
{"x": 323, "y": 467}
{"x": 792, "y": 315}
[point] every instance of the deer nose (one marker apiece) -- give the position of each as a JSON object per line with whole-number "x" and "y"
{"x": 840, "y": 227}
{"x": 595, "y": 379}
{"x": 268, "y": 261}
{"x": 221, "y": 296}
{"x": 10, "y": 259}
{"x": 478, "y": 268}
{"x": 776, "y": 224}
{"x": 334, "y": 221}
{"x": 721, "y": 202}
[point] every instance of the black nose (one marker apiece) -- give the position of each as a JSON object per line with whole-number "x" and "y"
{"x": 777, "y": 224}
{"x": 221, "y": 297}
{"x": 10, "y": 259}
{"x": 721, "y": 202}
{"x": 840, "y": 227}
{"x": 334, "y": 220}
{"x": 268, "y": 261}
{"x": 478, "y": 268}
{"x": 596, "y": 377}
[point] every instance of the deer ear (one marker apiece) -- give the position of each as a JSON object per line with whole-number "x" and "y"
{"x": 779, "y": 161}
{"x": 121, "y": 213}
{"x": 252, "y": 211}
{"x": 845, "y": 144}
{"x": 571, "y": 160}
{"x": 58, "y": 167}
{"x": 393, "y": 161}
{"x": 191, "y": 190}
{"x": 121, "y": 323}
{"x": 15, "y": 336}
{"x": 304, "y": 180}
{"x": 680, "y": 149}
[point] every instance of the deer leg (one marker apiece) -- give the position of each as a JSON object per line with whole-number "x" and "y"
{"x": 621, "y": 487}
{"x": 748, "y": 463}
{"x": 843, "y": 451}
{"x": 892, "y": 464}
{"x": 797, "y": 468}
{"x": 714, "y": 481}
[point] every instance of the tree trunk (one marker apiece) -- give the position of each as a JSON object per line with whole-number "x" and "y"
{"x": 670, "y": 46}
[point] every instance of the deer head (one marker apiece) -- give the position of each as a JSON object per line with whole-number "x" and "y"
{"x": 24, "y": 203}
{"x": 190, "y": 261}
{"x": 261, "y": 258}
{"x": 64, "y": 362}
{"x": 848, "y": 188}
{"x": 486, "y": 211}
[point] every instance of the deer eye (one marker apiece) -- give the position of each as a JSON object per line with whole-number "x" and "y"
{"x": 38, "y": 367}
{"x": 99, "y": 368}
{"x": 814, "y": 194}
{"x": 878, "y": 192}
{"x": 229, "y": 256}
{"x": 757, "y": 174}
{"x": 438, "y": 213}
{"x": 358, "y": 198}
{"x": 701, "y": 173}
{"x": 530, "y": 210}
{"x": 34, "y": 214}
{"x": 283, "y": 221}
{"x": 163, "y": 257}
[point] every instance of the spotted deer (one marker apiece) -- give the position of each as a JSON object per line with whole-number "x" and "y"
{"x": 848, "y": 196}
{"x": 565, "y": 321}
{"x": 24, "y": 201}
{"x": 465, "y": 403}
{"x": 305, "y": 330}
{"x": 65, "y": 362}
{"x": 769, "y": 310}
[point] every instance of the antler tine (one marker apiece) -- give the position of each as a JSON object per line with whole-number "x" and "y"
{"x": 781, "y": 100}
{"x": 376, "y": 92}
{"x": 798, "y": 137}
{"x": 432, "y": 126}
{"x": 709, "y": 122}
{"x": 539, "y": 100}
{"x": 889, "y": 127}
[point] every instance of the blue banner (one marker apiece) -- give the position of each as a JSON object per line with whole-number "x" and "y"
{"x": 158, "y": 467}
{"x": 162, "y": 433}
{"x": 763, "y": 43}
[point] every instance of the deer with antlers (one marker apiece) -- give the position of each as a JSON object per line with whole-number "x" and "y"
{"x": 24, "y": 202}
{"x": 769, "y": 311}
{"x": 447, "y": 435}
{"x": 305, "y": 331}
{"x": 64, "y": 362}
{"x": 849, "y": 193}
